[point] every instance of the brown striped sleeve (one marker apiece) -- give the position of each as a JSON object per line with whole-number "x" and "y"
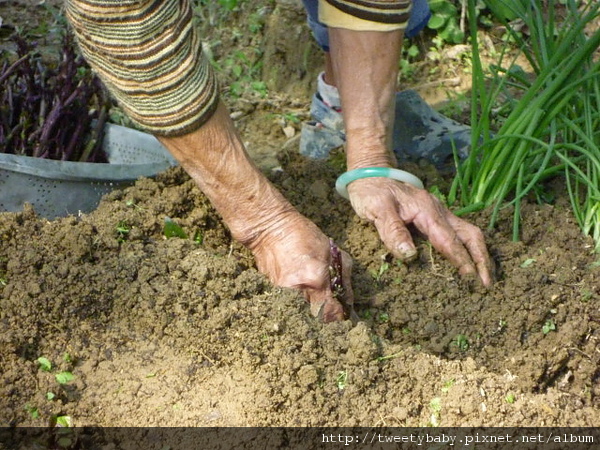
{"x": 149, "y": 55}
{"x": 376, "y": 15}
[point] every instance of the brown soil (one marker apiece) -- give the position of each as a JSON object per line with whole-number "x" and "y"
{"x": 177, "y": 332}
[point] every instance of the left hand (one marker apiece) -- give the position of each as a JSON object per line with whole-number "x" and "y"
{"x": 391, "y": 205}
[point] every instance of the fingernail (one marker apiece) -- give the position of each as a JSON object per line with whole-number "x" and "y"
{"x": 406, "y": 250}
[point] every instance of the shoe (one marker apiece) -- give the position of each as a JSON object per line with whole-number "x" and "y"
{"x": 420, "y": 132}
{"x": 324, "y": 133}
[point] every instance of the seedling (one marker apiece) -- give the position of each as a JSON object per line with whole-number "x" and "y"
{"x": 377, "y": 274}
{"x": 501, "y": 324}
{"x": 528, "y": 262}
{"x": 122, "y": 229}
{"x": 437, "y": 193}
{"x": 64, "y": 377}
{"x": 32, "y": 411}
{"x": 383, "y": 317}
{"x": 64, "y": 421}
{"x": 172, "y": 229}
{"x": 447, "y": 385}
{"x": 548, "y": 326}
{"x": 50, "y": 395}
{"x": 366, "y": 314}
{"x": 510, "y": 398}
{"x": 198, "y": 237}
{"x": 436, "y": 408}
{"x": 45, "y": 364}
{"x": 341, "y": 380}
{"x": 461, "y": 342}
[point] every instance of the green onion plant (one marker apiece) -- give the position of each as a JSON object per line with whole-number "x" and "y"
{"x": 553, "y": 124}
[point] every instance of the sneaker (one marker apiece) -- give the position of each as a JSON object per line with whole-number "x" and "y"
{"x": 420, "y": 132}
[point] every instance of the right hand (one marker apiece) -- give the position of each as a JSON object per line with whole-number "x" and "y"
{"x": 295, "y": 253}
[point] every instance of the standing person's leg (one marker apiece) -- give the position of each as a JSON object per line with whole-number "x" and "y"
{"x": 419, "y": 131}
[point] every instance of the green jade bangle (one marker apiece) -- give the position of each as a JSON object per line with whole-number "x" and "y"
{"x": 341, "y": 185}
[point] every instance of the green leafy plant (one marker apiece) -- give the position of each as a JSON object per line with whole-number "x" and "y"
{"x": 63, "y": 421}
{"x": 198, "y": 237}
{"x": 243, "y": 69}
{"x": 172, "y": 229}
{"x": 383, "y": 317}
{"x": 64, "y": 377}
{"x": 550, "y": 129}
{"x": 435, "y": 405}
{"x": 461, "y": 342}
{"x": 122, "y": 229}
{"x": 383, "y": 268}
{"x": 44, "y": 363}
{"x": 341, "y": 380}
{"x": 528, "y": 262}
{"x": 548, "y": 326}
{"x": 510, "y": 398}
{"x": 447, "y": 385}
{"x": 444, "y": 20}
{"x": 32, "y": 411}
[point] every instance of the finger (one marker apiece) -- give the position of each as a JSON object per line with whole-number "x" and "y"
{"x": 473, "y": 239}
{"x": 324, "y": 307}
{"x": 396, "y": 237}
{"x": 314, "y": 282}
{"x": 444, "y": 239}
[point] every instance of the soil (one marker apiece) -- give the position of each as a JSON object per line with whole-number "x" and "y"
{"x": 186, "y": 332}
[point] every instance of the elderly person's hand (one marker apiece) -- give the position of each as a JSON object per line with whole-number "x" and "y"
{"x": 294, "y": 253}
{"x": 288, "y": 247}
{"x": 391, "y": 205}
{"x": 365, "y": 67}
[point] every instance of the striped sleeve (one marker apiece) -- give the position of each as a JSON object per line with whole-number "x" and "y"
{"x": 375, "y": 15}
{"x": 149, "y": 55}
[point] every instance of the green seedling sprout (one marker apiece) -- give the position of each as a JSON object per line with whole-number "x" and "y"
{"x": 383, "y": 317}
{"x": 172, "y": 229}
{"x": 385, "y": 266}
{"x": 63, "y": 421}
{"x": 32, "y": 411}
{"x": 510, "y": 398}
{"x": 548, "y": 326}
{"x": 447, "y": 385}
{"x": 122, "y": 230}
{"x": 436, "y": 408}
{"x": 461, "y": 342}
{"x": 198, "y": 237}
{"x": 528, "y": 262}
{"x": 342, "y": 380}
{"x": 44, "y": 363}
{"x": 64, "y": 377}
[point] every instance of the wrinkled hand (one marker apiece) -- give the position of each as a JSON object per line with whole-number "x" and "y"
{"x": 295, "y": 253}
{"x": 391, "y": 205}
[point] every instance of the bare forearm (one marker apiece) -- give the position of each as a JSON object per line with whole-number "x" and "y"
{"x": 215, "y": 158}
{"x": 365, "y": 64}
